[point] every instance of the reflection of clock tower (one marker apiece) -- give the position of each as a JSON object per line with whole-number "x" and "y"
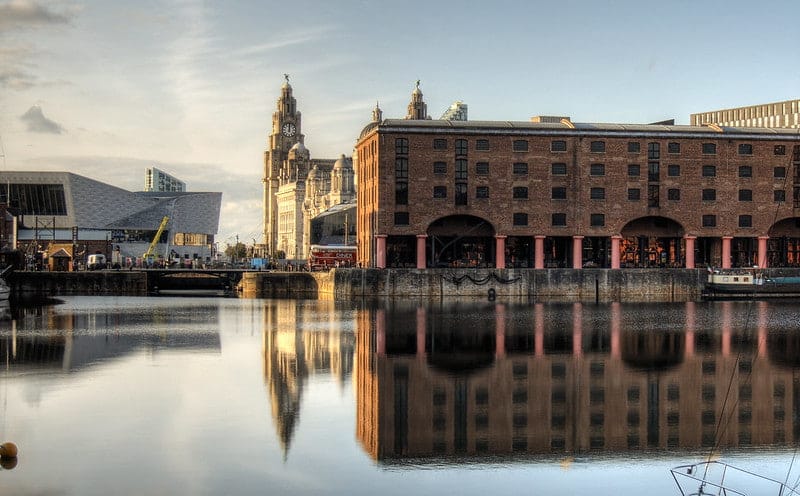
{"x": 285, "y": 134}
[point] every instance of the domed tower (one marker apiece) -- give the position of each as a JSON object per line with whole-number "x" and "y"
{"x": 417, "y": 109}
{"x": 298, "y": 162}
{"x": 342, "y": 184}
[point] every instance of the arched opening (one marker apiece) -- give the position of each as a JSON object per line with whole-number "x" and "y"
{"x": 460, "y": 241}
{"x": 652, "y": 242}
{"x": 783, "y": 247}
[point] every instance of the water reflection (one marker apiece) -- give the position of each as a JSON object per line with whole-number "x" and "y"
{"x": 301, "y": 340}
{"x": 50, "y": 338}
{"x": 483, "y": 380}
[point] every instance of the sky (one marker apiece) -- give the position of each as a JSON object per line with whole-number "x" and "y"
{"x": 108, "y": 88}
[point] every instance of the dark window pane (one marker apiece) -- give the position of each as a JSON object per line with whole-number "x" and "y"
{"x": 673, "y": 147}
{"x": 520, "y": 146}
{"x": 709, "y": 194}
{"x": 440, "y": 144}
{"x": 597, "y": 146}
{"x": 779, "y": 195}
{"x": 520, "y": 219}
{"x": 559, "y": 169}
{"x": 709, "y": 221}
{"x": 745, "y": 171}
{"x": 745, "y": 149}
{"x": 673, "y": 194}
{"x": 597, "y": 193}
{"x": 401, "y": 218}
{"x": 780, "y": 150}
{"x": 401, "y": 193}
{"x": 482, "y": 192}
{"x": 559, "y": 193}
{"x": 709, "y": 170}
{"x": 597, "y": 170}
{"x": 559, "y": 219}
{"x": 634, "y": 170}
{"x": 461, "y": 147}
{"x": 482, "y": 168}
{"x": 709, "y": 148}
{"x": 633, "y": 147}
{"x": 558, "y": 146}
{"x": 745, "y": 221}
{"x": 482, "y": 144}
{"x": 520, "y": 192}
{"x": 597, "y": 220}
{"x": 520, "y": 168}
{"x": 779, "y": 172}
{"x": 673, "y": 170}
{"x": 440, "y": 167}
{"x": 745, "y": 195}
{"x": 440, "y": 191}
{"x": 634, "y": 194}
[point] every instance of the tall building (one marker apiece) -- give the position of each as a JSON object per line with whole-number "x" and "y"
{"x": 456, "y": 112}
{"x": 158, "y": 180}
{"x": 557, "y": 193}
{"x": 781, "y": 114}
{"x": 297, "y": 187}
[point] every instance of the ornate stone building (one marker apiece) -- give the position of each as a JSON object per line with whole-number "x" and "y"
{"x": 296, "y": 188}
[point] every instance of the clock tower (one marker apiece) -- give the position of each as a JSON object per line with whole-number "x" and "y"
{"x": 284, "y": 135}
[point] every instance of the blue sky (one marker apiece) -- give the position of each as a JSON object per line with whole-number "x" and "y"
{"x": 106, "y": 89}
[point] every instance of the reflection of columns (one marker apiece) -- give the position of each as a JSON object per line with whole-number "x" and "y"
{"x": 538, "y": 257}
{"x": 577, "y": 252}
{"x": 615, "y": 251}
{"x": 616, "y": 316}
{"x": 762, "y": 251}
{"x": 726, "y": 252}
{"x": 726, "y": 328}
{"x": 500, "y": 330}
{"x": 380, "y": 256}
{"x": 690, "y": 309}
{"x": 421, "y": 250}
{"x": 763, "y": 318}
{"x": 538, "y": 333}
{"x": 689, "y": 251}
{"x": 500, "y": 251}
{"x": 422, "y": 326}
{"x": 577, "y": 330}
{"x": 380, "y": 332}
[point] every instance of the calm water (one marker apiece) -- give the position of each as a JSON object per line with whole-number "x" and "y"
{"x": 226, "y": 396}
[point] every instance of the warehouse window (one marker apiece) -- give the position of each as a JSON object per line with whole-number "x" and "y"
{"x": 709, "y": 170}
{"x": 440, "y": 144}
{"x": 745, "y": 171}
{"x": 482, "y": 168}
{"x": 597, "y": 220}
{"x": 710, "y": 148}
{"x": 709, "y": 221}
{"x": 709, "y": 194}
{"x": 520, "y": 168}
{"x": 745, "y": 195}
{"x": 401, "y": 218}
{"x": 520, "y": 219}
{"x": 597, "y": 193}
{"x": 673, "y": 147}
{"x": 520, "y": 146}
{"x": 634, "y": 147}
{"x": 520, "y": 193}
{"x": 779, "y": 172}
{"x": 440, "y": 191}
{"x": 634, "y": 170}
{"x": 597, "y": 146}
{"x": 597, "y": 170}
{"x": 634, "y": 194}
{"x": 440, "y": 167}
{"x": 558, "y": 169}
{"x": 559, "y": 193}
{"x": 745, "y": 149}
{"x": 558, "y": 146}
{"x": 482, "y": 145}
{"x": 482, "y": 192}
{"x": 745, "y": 221}
{"x": 401, "y": 146}
{"x": 673, "y": 194}
{"x": 559, "y": 219}
{"x": 673, "y": 170}
{"x": 35, "y": 199}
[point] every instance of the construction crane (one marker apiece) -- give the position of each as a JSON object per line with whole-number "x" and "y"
{"x": 148, "y": 255}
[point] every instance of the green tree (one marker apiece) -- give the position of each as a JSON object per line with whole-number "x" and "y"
{"x": 236, "y": 252}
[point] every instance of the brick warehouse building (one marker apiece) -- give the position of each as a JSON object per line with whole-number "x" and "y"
{"x": 553, "y": 193}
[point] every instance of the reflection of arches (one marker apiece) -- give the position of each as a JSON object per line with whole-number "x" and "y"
{"x": 460, "y": 241}
{"x": 652, "y": 241}
{"x": 653, "y": 350}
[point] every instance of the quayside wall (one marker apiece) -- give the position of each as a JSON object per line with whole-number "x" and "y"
{"x": 568, "y": 285}
{"x": 35, "y": 285}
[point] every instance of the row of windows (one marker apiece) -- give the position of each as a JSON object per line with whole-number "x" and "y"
{"x": 634, "y": 194}
{"x": 560, "y": 169}
{"x": 598, "y": 146}
{"x": 595, "y": 220}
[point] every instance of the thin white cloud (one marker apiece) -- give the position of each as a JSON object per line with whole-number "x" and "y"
{"x": 297, "y": 38}
{"x": 28, "y": 13}
{"x": 37, "y": 123}
{"x": 16, "y": 79}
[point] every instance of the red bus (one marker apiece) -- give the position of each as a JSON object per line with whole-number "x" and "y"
{"x": 329, "y": 256}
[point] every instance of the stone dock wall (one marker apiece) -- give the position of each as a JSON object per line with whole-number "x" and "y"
{"x": 568, "y": 285}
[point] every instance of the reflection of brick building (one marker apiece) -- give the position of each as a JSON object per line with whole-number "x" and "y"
{"x": 543, "y": 382}
{"x": 548, "y": 194}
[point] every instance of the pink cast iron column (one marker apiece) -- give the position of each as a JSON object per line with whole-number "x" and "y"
{"x": 762, "y": 252}
{"x": 615, "y": 240}
{"x": 577, "y": 252}
{"x": 538, "y": 260}
{"x": 500, "y": 331}
{"x": 689, "y": 251}
{"x": 422, "y": 326}
{"x": 500, "y": 251}
{"x": 421, "y": 250}
{"x": 380, "y": 248}
{"x": 726, "y": 252}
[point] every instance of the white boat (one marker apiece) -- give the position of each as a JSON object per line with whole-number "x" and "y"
{"x": 749, "y": 283}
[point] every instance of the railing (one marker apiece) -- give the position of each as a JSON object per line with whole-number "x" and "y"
{"x": 718, "y": 478}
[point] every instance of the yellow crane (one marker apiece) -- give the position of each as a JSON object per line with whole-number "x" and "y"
{"x": 148, "y": 255}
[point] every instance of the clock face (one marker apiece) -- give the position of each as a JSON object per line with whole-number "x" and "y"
{"x": 288, "y": 129}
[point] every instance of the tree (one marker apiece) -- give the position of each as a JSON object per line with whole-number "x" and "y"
{"x": 236, "y": 252}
